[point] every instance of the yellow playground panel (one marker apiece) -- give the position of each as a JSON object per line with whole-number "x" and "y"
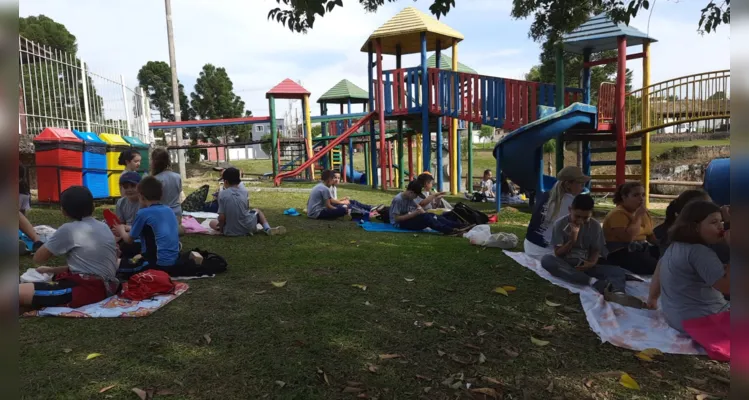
{"x": 115, "y": 145}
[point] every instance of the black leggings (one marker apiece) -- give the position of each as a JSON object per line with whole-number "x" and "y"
{"x": 640, "y": 262}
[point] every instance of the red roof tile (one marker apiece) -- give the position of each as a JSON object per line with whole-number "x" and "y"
{"x": 287, "y": 89}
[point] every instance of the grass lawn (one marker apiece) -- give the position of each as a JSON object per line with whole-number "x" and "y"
{"x": 428, "y": 300}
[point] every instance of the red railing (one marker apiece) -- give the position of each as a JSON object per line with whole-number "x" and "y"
{"x": 606, "y": 105}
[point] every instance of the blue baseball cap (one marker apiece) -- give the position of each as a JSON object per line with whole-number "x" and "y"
{"x": 130, "y": 177}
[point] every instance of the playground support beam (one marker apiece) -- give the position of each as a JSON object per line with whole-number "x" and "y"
{"x": 308, "y": 132}
{"x": 425, "y": 131}
{"x": 381, "y": 114}
{"x": 454, "y": 153}
{"x": 612, "y": 60}
{"x": 401, "y": 175}
{"x": 560, "y": 104}
{"x": 586, "y": 99}
{"x": 273, "y": 135}
{"x": 372, "y": 164}
{"x": 645, "y": 141}
{"x": 620, "y": 132}
{"x": 439, "y": 173}
{"x": 469, "y": 180}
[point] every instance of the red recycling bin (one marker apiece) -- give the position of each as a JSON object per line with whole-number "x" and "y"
{"x": 54, "y": 148}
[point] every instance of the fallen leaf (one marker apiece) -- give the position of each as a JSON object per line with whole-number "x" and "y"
{"x": 409, "y": 279}
{"x": 549, "y": 328}
{"x": 389, "y": 356}
{"x": 459, "y": 360}
{"x": 511, "y": 353}
{"x": 261, "y": 292}
{"x": 652, "y": 352}
{"x": 352, "y": 242}
{"x": 360, "y": 286}
{"x": 367, "y": 303}
{"x": 427, "y": 389}
{"x": 644, "y": 357}
{"x": 491, "y": 380}
{"x": 550, "y": 388}
{"x": 353, "y": 383}
{"x": 372, "y": 368}
{"x": 141, "y": 393}
{"x": 179, "y": 383}
{"x": 700, "y": 382}
{"x": 470, "y": 346}
{"x": 628, "y": 382}
{"x": 440, "y": 353}
{"x": 704, "y": 396}
{"x": 656, "y": 373}
{"x": 207, "y": 338}
{"x": 719, "y": 378}
{"x": 501, "y": 291}
{"x": 428, "y": 324}
{"x": 362, "y": 396}
{"x": 486, "y": 392}
{"x": 479, "y": 333}
{"x": 349, "y": 389}
{"x": 509, "y": 288}
{"x": 278, "y": 284}
{"x": 424, "y": 378}
{"x": 281, "y": 384}
{"x": 539, "y": 342}
{"x": 552, "y": 304}
{"x": 325, "y": 378}
{"x": 589, "y": 383}
{"x": 611, "y": 374}
{"x": 482, "y": 358}
{"x": 67, "y": 350}
{"x": 106, "y": 388}
{"x": 92, "y": 356}
{"x": 456, "y": 385}
{"x": 164, "y": 392}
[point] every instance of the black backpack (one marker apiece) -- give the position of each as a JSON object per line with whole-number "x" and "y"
{"x": 470, "y": 215}
{"x": 384, "y": 215}
{"x": 212, "y": 264}
{"x": 478, "y": 197}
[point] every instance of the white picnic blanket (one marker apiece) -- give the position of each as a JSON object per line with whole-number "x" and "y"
{"x": 621, "y": 326}
{"x": 201, "y": 214}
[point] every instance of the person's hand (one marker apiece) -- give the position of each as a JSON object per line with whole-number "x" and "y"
{"x": 652, "y": 303}
{"x": 641, "y": 211}
{"x": 119, "y": 230}
{"x": 419, "y": 211}
{"x": 345, "y": 201}
{"x": 725, "y": 212}
{"x": 585, "y": 265}
{"x": 45, "y": 270}
{"x": 574, "y": 230}
{"x": 346, "y": 198}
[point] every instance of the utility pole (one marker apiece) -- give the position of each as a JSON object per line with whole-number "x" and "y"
{"x": 175, "y": 86}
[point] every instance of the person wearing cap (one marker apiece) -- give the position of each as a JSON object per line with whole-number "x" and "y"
{"x": 628, "y": 229}
{"x": 235, "y": 218}
{"x": 128, "y": 205}
{"x": 551, "y": 206}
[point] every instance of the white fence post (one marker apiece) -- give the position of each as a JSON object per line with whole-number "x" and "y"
{"x": 127, "y": 108}
{"x": 84, "y": 77}
{"x": 144, "y": 116}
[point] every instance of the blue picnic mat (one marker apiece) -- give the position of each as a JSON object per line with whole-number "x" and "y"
{"x": 380, "y": 227}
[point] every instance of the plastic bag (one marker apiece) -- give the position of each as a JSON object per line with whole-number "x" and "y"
{"x": 31, "y": 275}
{"x": 481, "y": 235}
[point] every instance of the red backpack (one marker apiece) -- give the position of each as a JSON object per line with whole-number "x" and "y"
{"x": 147, "y": 284}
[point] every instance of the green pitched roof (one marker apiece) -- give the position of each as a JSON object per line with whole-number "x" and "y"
{"x": 600, "y": 33}
{"x": 342, "y": 92}
{"x": 446, "y": 63}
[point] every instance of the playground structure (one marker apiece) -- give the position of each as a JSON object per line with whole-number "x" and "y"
{"x": 429, "y": 99}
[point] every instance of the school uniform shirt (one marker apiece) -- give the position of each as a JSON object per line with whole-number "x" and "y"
{"x": 589, "y": 239}
{"x": 401, "y": 206}
{"x": 539, "y": 232}
{"x": 334, "y": 192}
{"x": 429, "y": 206}
{"x": 688, "y": 273}
{"x": 620, "y": 218}
{"x": 157, "y": 229}
{"x": 318, "y": 197}
{"x": 89, "y": 247}
{"x": 487, "y": 186}
{"x": 233, "y": 202}
{"x": 171, "y": 184}
{"x": 126, "y": 210}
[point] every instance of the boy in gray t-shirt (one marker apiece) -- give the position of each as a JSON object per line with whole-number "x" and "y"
{"x": 319, "y": 204}
{"x": 234, "y": 215}
{"x": 129, "y": 204}
{"x": 578, "y": 244}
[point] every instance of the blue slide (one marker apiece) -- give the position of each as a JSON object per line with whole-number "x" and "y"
{"x": 520, "y": 153}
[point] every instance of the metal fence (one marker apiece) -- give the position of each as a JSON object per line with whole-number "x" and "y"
{"x": 58, "y": 89}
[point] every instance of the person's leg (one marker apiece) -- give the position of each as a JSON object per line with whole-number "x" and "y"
{"x": 611, "y": 273}
{"x": 25, "y": 294}
{"x": 213, "y": 224}
{"x": 559, "y": 268}
{"x": 337, "y": 212}
{"x": 25, "y": 226}
{"x": 441, "y": 225}
{"x": 360, "y": 206}
{"x": 417, "y": 223}
{"x": 279, "y": 230}
{"x": 640, "y": 262}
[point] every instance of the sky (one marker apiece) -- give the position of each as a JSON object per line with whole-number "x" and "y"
{"x": 119, "y": 37}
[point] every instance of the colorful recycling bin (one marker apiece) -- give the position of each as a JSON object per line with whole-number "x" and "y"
{"x": 94, "y": 164}
{"x": 143, "y": 149}
{"x": 59, "y": 159}
{"x": 115, "y": 145}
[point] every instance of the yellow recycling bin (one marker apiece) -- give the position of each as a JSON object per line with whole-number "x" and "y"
{"x": 115, "y": 145}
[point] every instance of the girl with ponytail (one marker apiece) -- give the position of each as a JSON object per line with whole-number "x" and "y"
{"x": 130, "y": 158}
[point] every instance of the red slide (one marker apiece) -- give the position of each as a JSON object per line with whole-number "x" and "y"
{"x": 335, "y": 142}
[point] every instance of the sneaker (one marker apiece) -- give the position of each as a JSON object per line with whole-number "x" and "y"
{"x": 601, "y": 286}
{"x": 22, "y": 249}
{"x": 623, "y": 299}
{"x": 278, "y": 230}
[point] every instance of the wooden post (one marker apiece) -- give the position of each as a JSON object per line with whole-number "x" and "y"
{"x": 645, "y": 156}
{"x": 620, "y": 132}
{"x": 381, "y": 113}
{"x": 273, "y": 135}
{"x": 469, "y": 180}
{"x": 308, "y": 125}
{"x": 454, "y": 127}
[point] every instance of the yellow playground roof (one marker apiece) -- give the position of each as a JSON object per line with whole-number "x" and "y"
{"x": 405, "y": 29}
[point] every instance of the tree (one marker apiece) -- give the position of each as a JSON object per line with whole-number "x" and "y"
{"x": 50, "y": 85}
{"x": 214, "y": 98}
{"x": 551, "y": 17}
{"x": 719, "y": 95}
{"x": 550, "y": 149}
{"x": 316, "y": 130}
{"x": 486, "y": 133}
{"x": 267, "y": 145}
{"x": 155, "y": 77}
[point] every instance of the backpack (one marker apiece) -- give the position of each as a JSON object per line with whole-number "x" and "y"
{"x": 478, "y": 197}
{"x": 384, "y": 215}
{"x": 147, "y": 284}
{"x": 212, "y": 264}
{"x": 470, "y": 215}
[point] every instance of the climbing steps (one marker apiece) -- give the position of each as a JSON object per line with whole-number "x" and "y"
{"x": 606, "y": 183}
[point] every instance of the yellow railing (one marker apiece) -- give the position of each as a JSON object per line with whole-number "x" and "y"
{"x": 679, "y": 101}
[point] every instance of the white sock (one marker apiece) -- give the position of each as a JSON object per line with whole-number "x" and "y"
{"x": 592, "y": 281}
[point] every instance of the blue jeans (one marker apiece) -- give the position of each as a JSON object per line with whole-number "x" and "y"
{"x": 333, "y": 213}
{"x": 360, "y": 207}
{"x": 428, "y": 220}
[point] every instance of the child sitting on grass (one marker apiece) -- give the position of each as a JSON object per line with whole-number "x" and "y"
{"x": 350, "y": 204}
{"x": 578, "y": 245}
{"x": 405, "y": 213}
{"x": 427, "y": 199}
{"x": 320, "y": 205}
{"x": 91, "y": 253}
{"x": 234, "y": 215}
{"x": 171, "y": 183}
{"x": 487, "y": 186}
{"x": 129, "y": 204}
{"x": 156, "y": 228}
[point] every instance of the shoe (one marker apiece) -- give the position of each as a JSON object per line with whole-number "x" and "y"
{"x": 378, "y": 207}
{"x": 623, "y": 299}
{"x": 278, "y": 230}
{"x": 22, "y": 248}
{"x": 601, "y": 286}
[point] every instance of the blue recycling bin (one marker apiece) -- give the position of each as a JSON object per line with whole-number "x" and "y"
{"x": 94, "y": 164}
